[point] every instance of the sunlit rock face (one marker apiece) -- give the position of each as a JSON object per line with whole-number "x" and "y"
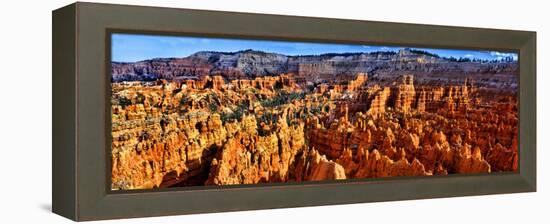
{"x": 215, "y": 130}
{"x": 404, "y": 94}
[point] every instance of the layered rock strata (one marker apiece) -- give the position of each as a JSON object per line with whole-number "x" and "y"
{"x": 216, "y": 131}
{"x": 249, "y": 64}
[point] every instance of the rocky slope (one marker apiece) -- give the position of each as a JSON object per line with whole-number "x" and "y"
{"x": 314, "y": 68}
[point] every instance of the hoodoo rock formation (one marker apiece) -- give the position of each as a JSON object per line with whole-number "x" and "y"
{"x": 193, "y": 121}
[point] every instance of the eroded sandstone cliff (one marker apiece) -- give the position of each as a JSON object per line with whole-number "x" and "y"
{"x": 216, "y": 131}
{"x": 248, "y": 64}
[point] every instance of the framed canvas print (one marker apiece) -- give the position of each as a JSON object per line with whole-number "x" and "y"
{"x": 201, "y": 111}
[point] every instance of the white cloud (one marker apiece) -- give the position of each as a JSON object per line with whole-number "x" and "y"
{"x": 469, "y": 56}
{"x": 501, "y": 55}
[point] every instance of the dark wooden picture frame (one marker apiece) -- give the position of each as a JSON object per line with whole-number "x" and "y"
{"x": 81, "y": 113}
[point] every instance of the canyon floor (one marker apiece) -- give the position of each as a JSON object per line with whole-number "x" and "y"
{"x": 213, "y": 131}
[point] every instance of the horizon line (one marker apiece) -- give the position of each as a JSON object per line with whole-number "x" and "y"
{"x": 132, "y": 48}
{"x": 323, "y": 54}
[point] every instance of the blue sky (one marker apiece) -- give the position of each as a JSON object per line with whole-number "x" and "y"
{"x": 137, "y": 47}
